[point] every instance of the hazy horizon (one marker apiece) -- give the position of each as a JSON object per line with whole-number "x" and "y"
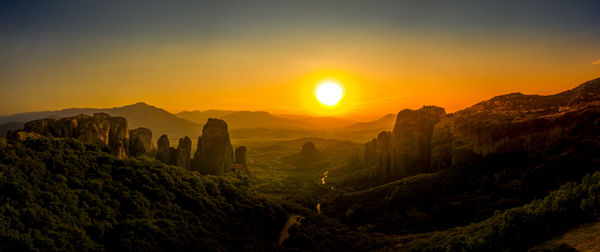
{"x": 384, "y": 125}
{"x": 387, "y": 55}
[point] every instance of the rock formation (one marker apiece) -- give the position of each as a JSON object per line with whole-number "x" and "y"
{"x": 410, "y": 143}
{"x": 184, "y": 148}
{"x": 20, "y": 135}
{"x": 308, "y": 157}
{"x": 140, "y": 141}
{"x": 195, "y": 162}
{"x": 215, "y": 153}
{"x": 240, "y": 156}
{"x": 427, "y": 140}
{"x": 369, "y": 154}
{"x": 118, "y": 136}
{"x": 162, "y": 152}
{"x": 172, "y": 156}
{"x": 309, "y": 153}
{"x": 383, "y": 159}
{"x": 517, "y": 123}
{"x": 99, "y": 129}
{"x": 407, "y": 149}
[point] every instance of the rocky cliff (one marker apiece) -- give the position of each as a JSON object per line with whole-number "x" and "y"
{"x": 517, "y": 123}
{"x": 427, "y": 140}
{"x": 162, "y": 153}
{"x": 407, "y": 149}
{"x": 240, "y": 156}
{"x": 184, "y": 148}
{"x": 214, "y": 154}
{"x": 240, "y": 167}
{"x": 140, "y": 141}
{"x": 100, "y": 128}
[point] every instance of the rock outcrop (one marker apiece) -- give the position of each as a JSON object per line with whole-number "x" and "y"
{"x": 214, "y": 154}
{"x": 427, "y": 140}
{"x": 20, "y": 135}
{"x": 309, "y": 153}
{"x": 140, "y": 141}
{"x": 179, "y": 156}
{"x": 407, "y": 149}
{"x": 517, "y": 123}
{"x": 240, "y": 156}
{"x": 308, "y": 157}
{"x": 100, "y": 128}
{"x": 118, "y": 136}
{"x": 184, "y": 149}
{"x": 410, "y": 143}
{"x": 382, "y": 152}
{"x": 162, "y": 152}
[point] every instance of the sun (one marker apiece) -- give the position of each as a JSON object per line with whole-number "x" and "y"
{"x": 329, "y": 93}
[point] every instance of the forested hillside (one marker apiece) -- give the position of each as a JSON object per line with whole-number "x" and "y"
{"x": 59, "y": 194}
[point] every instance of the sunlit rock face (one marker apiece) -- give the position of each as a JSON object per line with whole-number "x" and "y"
{"x": 162, "y": 152}
{"x": 99, "y": 129}
{"x": 215, "y": 153}
{"x": 118, "y": 137}
{"x": 140, "y": 141}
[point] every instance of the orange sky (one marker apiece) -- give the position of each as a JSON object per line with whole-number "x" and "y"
{"x": 383, "y": 67}
{"x": 380, "y": 74}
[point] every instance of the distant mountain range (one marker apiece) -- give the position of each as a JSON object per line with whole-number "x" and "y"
{"x": 265, "y": 120}
{"x": 138, "y": 115}
{"x": 244, "y": 124}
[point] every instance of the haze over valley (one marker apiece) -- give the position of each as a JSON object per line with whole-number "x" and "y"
{"x": 300, "y": 126}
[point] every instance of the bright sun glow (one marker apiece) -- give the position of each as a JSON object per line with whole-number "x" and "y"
{"x": 329, "y": 93}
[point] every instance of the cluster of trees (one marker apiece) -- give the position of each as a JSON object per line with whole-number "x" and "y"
{"x": 521, "y": 227}
{"x": 63, "y": 195}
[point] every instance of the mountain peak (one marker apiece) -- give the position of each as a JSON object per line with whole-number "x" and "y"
{"x": 139, "y": 104}
{"x": 509, "y": 97}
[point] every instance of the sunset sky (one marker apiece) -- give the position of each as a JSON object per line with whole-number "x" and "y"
{"x": 269, "y": 55}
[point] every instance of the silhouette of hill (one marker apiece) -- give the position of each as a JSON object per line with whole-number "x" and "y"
{"x": 265, "y": 120}
{"x": 320, "y": 122}
{"x": 140, "y": 114}
{"x": 384, "y": 123}
{"x": 200, "y": 117}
